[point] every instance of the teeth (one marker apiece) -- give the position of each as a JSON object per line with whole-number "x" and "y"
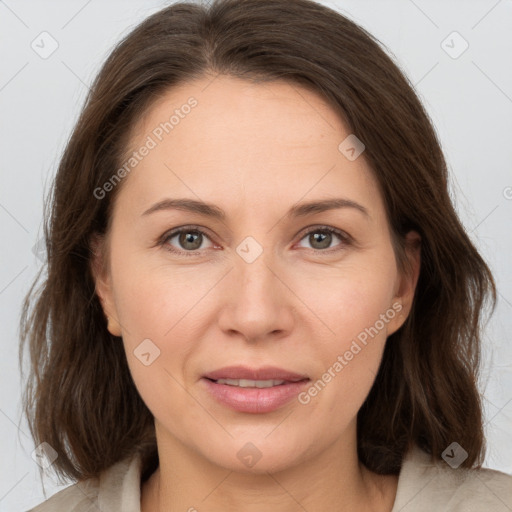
{"x": 246, "y": 383}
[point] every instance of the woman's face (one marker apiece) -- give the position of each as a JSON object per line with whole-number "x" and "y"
{"x": 259, "y": 284}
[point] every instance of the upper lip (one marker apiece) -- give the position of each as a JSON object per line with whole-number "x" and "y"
{"x": 265, "y": 373}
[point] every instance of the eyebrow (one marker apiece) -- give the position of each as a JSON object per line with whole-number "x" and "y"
{"x": 298, "y": 210}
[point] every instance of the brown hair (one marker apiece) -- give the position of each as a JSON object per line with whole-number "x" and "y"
{"x": 80, "y": 397}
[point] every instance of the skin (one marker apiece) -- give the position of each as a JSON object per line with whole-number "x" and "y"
{"x": 255, "y": 151}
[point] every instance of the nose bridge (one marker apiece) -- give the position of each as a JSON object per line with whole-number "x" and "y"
{"x": 253, "y": 266}
{"x": 257, "y": 301}
{"x": 255, "y": 253}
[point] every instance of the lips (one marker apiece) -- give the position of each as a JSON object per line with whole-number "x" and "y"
{"x": 254, "y": 390}
{"x": 246, "y": 373}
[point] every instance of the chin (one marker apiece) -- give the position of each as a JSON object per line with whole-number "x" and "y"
{"x": 255, "y": 457}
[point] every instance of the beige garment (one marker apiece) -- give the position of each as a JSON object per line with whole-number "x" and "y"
{"x": 422, "y": 487}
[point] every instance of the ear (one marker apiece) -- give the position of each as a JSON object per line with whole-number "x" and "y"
{"x": 406, "y": 286}
{"x": 103, "y": 282}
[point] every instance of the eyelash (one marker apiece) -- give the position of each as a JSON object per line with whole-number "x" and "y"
{"x": 344, "y": 237}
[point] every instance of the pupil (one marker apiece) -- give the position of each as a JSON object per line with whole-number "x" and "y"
{"x": 190, "y": 238}
{"x": 324, "y": 239}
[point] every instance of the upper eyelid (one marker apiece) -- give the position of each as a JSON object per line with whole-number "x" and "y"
{"x": 343, "y": 235}
{"x": 176, "y": 231}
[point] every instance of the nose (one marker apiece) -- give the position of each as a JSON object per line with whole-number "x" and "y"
{"x": 256, "y": 302}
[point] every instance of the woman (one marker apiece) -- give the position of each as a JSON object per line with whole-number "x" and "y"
{"x": 259, "y": 295}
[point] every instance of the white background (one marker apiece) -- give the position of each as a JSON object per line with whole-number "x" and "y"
{"x": 468, "y": 98}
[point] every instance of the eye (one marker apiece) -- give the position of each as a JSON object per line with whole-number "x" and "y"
{"x": 320, "y": 237}
{"x": 188, "y": 238}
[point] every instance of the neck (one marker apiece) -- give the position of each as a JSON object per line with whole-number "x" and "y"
{"x": 332, "y": 480}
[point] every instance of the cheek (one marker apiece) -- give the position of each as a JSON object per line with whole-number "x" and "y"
{"x": 153, "y": 310}
{"x": 355, "y": 309}
{"x": 149, "y": 307}
{"x": 355, "y": 349}
{"x": 349, "y": 300}
{"x": 155, "y": 305}
{"x": 150, "y": 297}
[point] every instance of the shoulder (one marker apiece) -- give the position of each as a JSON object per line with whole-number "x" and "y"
{"x": 116, "y": 488}
{"x": 79, "y": 497}
{"x": 425, "y": 485}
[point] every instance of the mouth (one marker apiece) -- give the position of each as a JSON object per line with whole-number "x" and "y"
{"x": 248, "y": 383}
{"x": 254, "y": 390}
{"x": 244, "y": 373}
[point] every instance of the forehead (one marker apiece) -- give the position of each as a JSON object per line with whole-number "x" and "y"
{"x": 221, "y": 137}
{"x": 280, "y": 114}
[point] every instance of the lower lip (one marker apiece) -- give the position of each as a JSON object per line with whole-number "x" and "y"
{"x": 254, "y": 400}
